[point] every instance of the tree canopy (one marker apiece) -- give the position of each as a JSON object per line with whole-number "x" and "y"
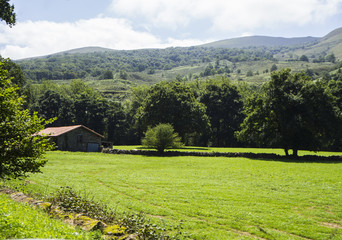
{"x": 291, "y": 112}
{"x": 21, "y": 151}
{"x": 224, "y": 109}
{"x": 174, "y": 103}
{"x": 7, "y": 12}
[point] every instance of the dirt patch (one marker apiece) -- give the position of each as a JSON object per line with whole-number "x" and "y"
{"x": 6, "y": 191}
{"x": 247, "y": 234}
{"x": 292, "y": 234}
{"x": 156, "y": 216}
{"x": 331, "y": 225}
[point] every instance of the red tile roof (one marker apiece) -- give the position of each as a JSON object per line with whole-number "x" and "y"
{"x": 57, "y": 131}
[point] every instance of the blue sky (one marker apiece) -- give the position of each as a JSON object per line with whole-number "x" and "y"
{"x": 48, "y": 26}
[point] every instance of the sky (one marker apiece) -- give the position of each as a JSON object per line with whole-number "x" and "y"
{"x": 48, "y": 26}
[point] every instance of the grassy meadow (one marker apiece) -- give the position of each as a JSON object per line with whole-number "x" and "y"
{"x": 213, "y": 197}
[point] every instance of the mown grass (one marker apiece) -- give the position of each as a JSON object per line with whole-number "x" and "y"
{"x": 19, "y": 220}
{"x": 216, "y": 198}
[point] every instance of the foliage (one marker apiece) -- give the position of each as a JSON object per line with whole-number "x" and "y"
{"x": 330, "y": 58}
{"x": 71, "y": 201}
{"x": 21, "y": 151}
{"x": 162, "y": 137}
{"x": 77, "y": 103}
{"x": 273, "y": 68}
{"x": 291, "y": 112}
{"x": 335, "y": 88}
{"x": 53, "y": 104}
{"x": 7, "y": 12}
{"x": 14, "y": 72}
{"x": 224, "y": 109}
{"x": 174, "y": 103}
{"x": 108, "y": 75}
{"x": 96, "y": 64}
{"x": 304, "y": 58}
{"x": 202, "y": 111}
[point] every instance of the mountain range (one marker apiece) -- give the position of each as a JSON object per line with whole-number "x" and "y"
{"x": 332, "y": 42}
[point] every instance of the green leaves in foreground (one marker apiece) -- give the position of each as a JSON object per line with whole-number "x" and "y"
{"x": 162, "y": 137}
{"x": 21, "y": 151}
{"x": 69, "y": 200}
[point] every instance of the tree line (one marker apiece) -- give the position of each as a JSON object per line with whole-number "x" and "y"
{"x": 291, "y": 111}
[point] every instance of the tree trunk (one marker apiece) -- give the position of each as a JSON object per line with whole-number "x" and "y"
{"x": 295, "y": 152}
{"x": 286, "y": 152}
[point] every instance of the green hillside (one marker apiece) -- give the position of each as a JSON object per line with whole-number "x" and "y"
{"x": 249, "y": 59}
{"x": 331, "y": 43}
{"x": 260, "y": 41}
{"x": 86, "y": 50}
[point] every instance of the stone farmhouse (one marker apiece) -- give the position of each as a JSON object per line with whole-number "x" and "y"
{"x": 74, "y": 138}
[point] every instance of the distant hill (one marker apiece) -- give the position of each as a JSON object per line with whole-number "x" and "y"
{"x": 83, "y": 50}
{"x": 246, "y": 58}
{"x": 260, "y": 41}
{"x": 331, "y": 43}
{"x": 88, "y": 50}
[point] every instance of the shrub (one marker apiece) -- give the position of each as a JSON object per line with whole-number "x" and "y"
{"x": 162, "y": 137}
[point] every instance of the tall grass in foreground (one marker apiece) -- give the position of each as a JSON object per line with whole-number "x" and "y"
{"x": 19, "y": 220}
{"x": 215, "y": 197}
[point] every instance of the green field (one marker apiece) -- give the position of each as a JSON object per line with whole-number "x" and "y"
{"x": 215, "y": 198}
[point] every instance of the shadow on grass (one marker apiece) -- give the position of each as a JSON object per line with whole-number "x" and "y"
{"x": 195, "y": 148}
{"x": 303, "y": 159}
{"x": 185, "y": 148}
{"x": 256, "y": 156}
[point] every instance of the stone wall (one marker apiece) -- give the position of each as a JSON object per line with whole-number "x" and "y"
{"x": 265, "y": 156}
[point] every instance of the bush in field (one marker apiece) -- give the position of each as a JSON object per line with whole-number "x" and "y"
{"x": 161, "y": 137}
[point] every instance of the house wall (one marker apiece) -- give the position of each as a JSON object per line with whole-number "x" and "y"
{"x": 77, "y": 140}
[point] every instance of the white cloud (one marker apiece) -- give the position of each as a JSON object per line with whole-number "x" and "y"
{"x": 163, "y": 23}
{"x": 225, "y": 15}
{"x": 28, "y": 39}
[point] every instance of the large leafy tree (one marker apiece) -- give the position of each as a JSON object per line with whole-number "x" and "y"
{"x": 21, "y": 151}
{"x": 89, "y": 106}
{"x": 224, "y": 109}
{"x": 335, "y": 87}
{"x": 116, "y": 123}
{"x": 53, "y": 104}
{"x": 291, "y": 112}
{"x": 176, "y": 104}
